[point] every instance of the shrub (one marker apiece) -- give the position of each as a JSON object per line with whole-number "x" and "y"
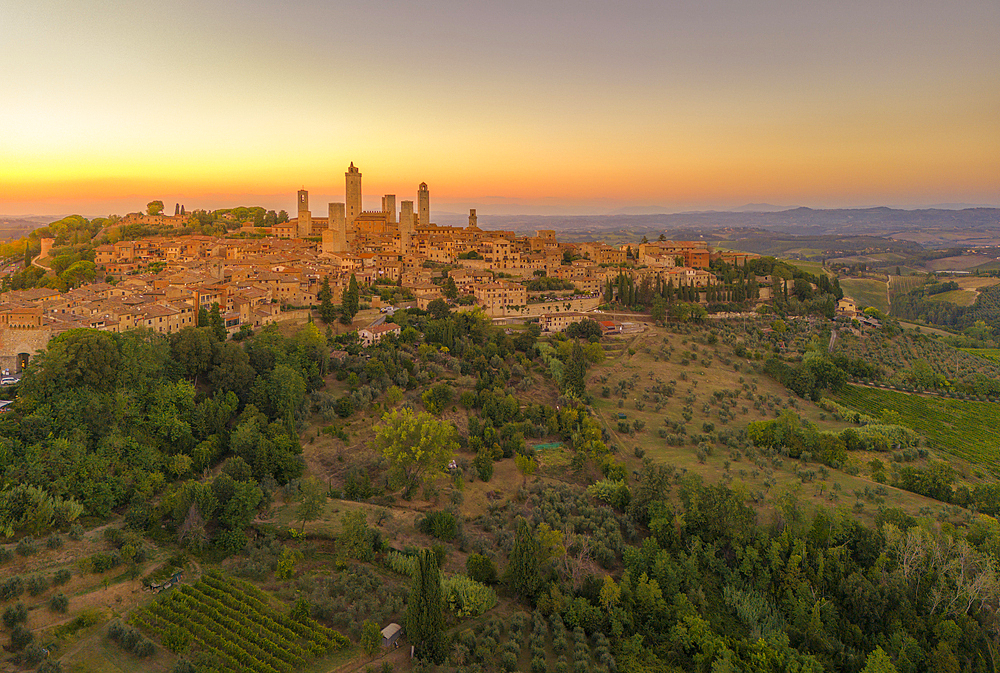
{"x": 130, "y": 639}
{"x": 54, "y": 542}
{"x": 76, "y": 532}
{"x": 481, "y": 568}
{"x": 33, "y": 654}
{"x": 26, "y": 546}
{"x": 183, "y": 666}
{"x": 441, "y": 525}
{"x": 14, "y": 615}
{"x": 61, "y": 577}
{"x": 37, "y": 584}
{"x": 11, "y": 588}
{"x": 466, "y": 596}
{"x": 508, "y": 661}
{"x": 59, "y": 603}
{"x": 20, "y": 638}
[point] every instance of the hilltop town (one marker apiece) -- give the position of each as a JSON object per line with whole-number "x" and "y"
{"x": 254, "y": 273}
{"x": 284, "y": 499}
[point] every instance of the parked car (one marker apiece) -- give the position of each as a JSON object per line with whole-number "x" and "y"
{"x": 8, "y": 381}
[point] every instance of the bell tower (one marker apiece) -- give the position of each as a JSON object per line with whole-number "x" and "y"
{"x": 353, "y": 193}
{"x": 423, "y": 205}
{"x": 305, "y": 217}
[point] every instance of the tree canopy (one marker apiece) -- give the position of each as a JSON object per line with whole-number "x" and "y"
{"x": 418, "y": 446}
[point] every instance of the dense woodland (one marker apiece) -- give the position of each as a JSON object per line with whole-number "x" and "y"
{"x": 917, "y": 305}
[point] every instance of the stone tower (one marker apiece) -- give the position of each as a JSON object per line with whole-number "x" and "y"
{"x": 338, "y": 225}
{"x": 473, "y": 220}
{"x": 353, "y": 193}
{"x": 406, "y": 227}
{"x": 424, "y": 204}
{"x": 389, "y": 208}
{"x": 305, "y": 217}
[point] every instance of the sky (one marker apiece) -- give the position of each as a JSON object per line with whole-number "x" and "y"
{"x": 533, "y": 106}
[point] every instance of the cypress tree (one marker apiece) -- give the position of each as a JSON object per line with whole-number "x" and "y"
{"x": 424, "y": 618}
{"x": 574, "y": 379}
{"x": 327, "y": 312}
{"x": 521, "y": 574}
{"x": 349, "y": 302}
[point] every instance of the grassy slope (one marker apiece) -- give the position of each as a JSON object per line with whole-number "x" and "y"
{"x": 815, "y": 268}
{"x": 702, "y": 381}
{"x": 960, "y": 297}
{"x": 866, "y": 292}
{"x": 964, "y": 428}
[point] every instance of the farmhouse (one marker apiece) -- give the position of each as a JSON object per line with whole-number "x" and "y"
{"x": 372, "y": 335}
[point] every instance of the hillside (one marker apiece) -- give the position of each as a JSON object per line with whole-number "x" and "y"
{"x": 641, "y": 484}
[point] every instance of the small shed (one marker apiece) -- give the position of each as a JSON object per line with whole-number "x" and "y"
{"x": 391, "y": 634}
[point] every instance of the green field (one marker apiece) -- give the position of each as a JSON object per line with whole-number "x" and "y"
{"x": 866, "y": 292}
{"x": 960, "y": 297}
{"x": 815, "y": 268}
{"x": 963, "y": 428}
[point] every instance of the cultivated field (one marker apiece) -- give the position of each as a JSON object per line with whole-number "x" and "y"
{"x": 866, "y": 292}
{"x": 959, "y": 263}
{"x": 959, "y": 297}
{"x": 964, "y": 428}
{"x": 815, "y": 268}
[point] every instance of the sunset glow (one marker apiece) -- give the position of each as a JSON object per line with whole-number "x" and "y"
{"x": 587, "y": 106}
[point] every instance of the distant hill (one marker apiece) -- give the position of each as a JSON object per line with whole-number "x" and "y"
{"x": 878, "y": 221}
{"x": 16, "y": 227}
{"x": 759, "y": 208}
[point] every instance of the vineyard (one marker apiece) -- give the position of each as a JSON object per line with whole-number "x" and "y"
{"x": 904, "y": 284}
{"x": 964, "y": 428}
{"x": 232, "y": 624}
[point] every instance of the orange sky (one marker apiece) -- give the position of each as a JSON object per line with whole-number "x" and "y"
{"x": 585, "y": 107}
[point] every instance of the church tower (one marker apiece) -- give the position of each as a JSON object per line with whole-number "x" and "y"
{"x": 423, "y": 205}
{"x": 353, "y": 192}
{"x": 305, "y": 217}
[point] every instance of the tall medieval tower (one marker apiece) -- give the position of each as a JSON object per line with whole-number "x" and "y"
{"x": 353, "y": 192}
{"x": 338, "y": 227}
{"x": 405, "y": 226}
{"x": 423, "y": 205}
{"x": 305, "y": 217}
{"x": 389, "y": 208}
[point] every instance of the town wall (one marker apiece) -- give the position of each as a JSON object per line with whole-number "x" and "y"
{"x": 14, "y": 341}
